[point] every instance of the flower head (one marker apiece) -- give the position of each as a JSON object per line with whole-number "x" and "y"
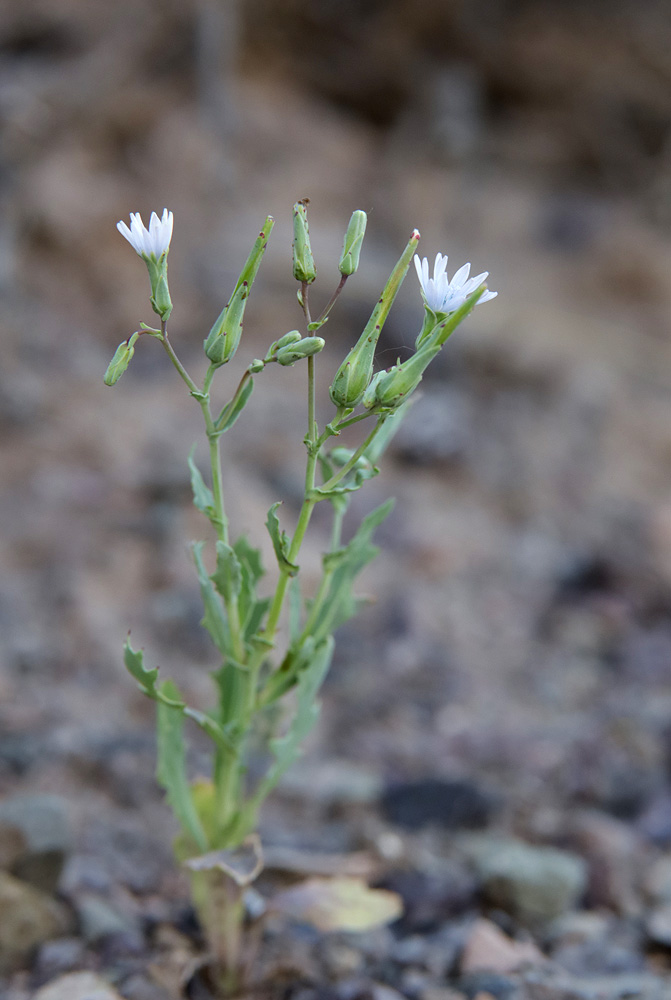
{"x": 444, "y": 296}
{"x": 152, "y": 242}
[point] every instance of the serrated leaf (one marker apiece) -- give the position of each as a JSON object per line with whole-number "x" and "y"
{"x": 344, "y": 565}
{"x": 251, "y": 609}
{"x": 214, "y": 618}
{"x": 280, "y": 541}
{"x": 286, "y": 748}
{"x": 338, "y": 904}
{"x": 232, "y": 411}
{"x": 202, "y": 494}
{"x": 171, "y": 766}
{"x": 146, "y": 679}
{"x": 227, "y": 577}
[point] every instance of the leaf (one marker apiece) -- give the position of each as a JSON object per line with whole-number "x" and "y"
{"x": 345, "y": 564}
{"x": 338, "y": 904}
{"x": 383, "y": 438}
{"x": 251, "y": 609}
{"x": 202, "y": 494}
{"x": 227, "y": 577}
{"x": 214, "y": 618}
{"x": 171, "y": 765}
{"x": 232, "y": 411}
{"x": 280, "y": 541}
{"x": 146, "y": 679}
{"x": 243, "y": 863}
{"x": 286, "y": 748}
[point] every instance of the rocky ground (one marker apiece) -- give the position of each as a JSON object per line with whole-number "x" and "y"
{"x": 495, "y": 741}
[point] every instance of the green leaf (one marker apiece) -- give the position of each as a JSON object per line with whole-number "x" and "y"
{"x": 344, "y": 565}
{"x": 214, "y": 618}
{"x": 146, "y": 679}
{"x": 232, "y": 411}
{"x": 280, "y": 541}
{"x": 383, "y": 438}
{"x": 227, "y": 577}
{"x": 202, "y": 494}
{"x": 251, "y": 609}
{"x": 171, "y": 766}
{"x": 286, "y": 748}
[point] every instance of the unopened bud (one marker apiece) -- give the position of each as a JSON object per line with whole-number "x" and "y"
{"x": 354, "y": 375}
{"x": 351, "y": 251}
{"x": 224, "y": 337}
{"x": 289, "y": 338}
{"x": 121, "y": 360}
{"x": 305, "y": 348}
{"x": 257, "y": 366}
{"x": 304, "y": 265}
{"x": 391, "y": 388}
{"x": 160, "y": 301}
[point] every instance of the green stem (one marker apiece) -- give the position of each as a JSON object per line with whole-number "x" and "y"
{"x": 347, "y": 468}
{"x": 184, "y": 375}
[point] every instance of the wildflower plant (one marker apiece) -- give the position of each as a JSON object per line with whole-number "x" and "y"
{"x": 266, "y": 683}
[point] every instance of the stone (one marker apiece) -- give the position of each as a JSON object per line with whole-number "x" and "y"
{"x": 29, "y": 917}
{"x": 493, "y": 984}
{"x": 77, "y": 986}
{"x": 488, "y": 947}
{"x": 658, "y": 925}
{"x": 657, "y": 881}
{"x": 453, "y": 805}
{"x": 40, "y": 824}
{"x": 99, "y": 920}
{"x": 534, "y": 884}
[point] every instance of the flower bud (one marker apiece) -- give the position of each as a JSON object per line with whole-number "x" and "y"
{"x": 289, "y": 338}
{"x": 121, "y": 360}
{"x": 355, "y": 373}
{"x": 305, "y": 348}
{"x": 257, "y": 366}
{"x": 304, "y": 265}
{"x": 160, "y": 300}
{"x": 391, "y": 388}
{"x": 224, "y": 337}
{"x": 351, "y": 251}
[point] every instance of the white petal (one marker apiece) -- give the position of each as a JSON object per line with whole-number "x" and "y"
{"x": 460, "y": 276}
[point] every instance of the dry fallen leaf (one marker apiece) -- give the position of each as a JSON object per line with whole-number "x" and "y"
{"x": 338, "y": 904}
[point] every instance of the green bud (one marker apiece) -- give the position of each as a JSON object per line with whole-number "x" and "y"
{"x": 160, "y": 300}
{"x": 391, "y": 388}
{"x": 257, "y": 366}
{"x": 354, "y": 375}
{"x": 289, "y": 338}
{"x": 351, "y": 251}
{"x": 224, "y": 337}
{"x": 304, "y": 265}
{"x": 121, "y": 360}
{"x": 305, "y": 348}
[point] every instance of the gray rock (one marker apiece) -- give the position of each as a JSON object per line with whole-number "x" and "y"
{"x": 40, "y": 825}
{"x": 77, "y": 986}
{"x": 29, "y": 917}
{"x": 638, "y": 985}
{"x": 99, "y": 920}
{"x": 532, "y": 883}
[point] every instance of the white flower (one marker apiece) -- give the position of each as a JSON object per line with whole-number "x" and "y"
{"x": 150, "y": 242}
{"x": 444, "y": 296}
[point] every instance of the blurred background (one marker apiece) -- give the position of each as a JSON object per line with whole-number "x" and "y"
{"x": 519, "y": 646}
